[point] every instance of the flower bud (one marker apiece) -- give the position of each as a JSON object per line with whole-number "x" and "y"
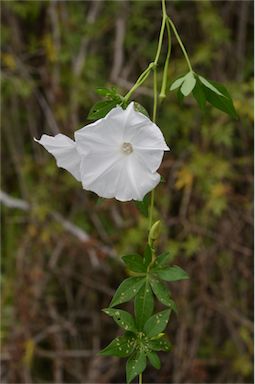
{"x": 154, "y": 232}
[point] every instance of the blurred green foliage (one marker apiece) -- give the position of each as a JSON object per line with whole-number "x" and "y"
{"x": 54, "y": 56}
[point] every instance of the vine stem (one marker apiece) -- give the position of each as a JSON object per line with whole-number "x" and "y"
{"x": 140, "y": 378}
{"x": 180, "y": 43}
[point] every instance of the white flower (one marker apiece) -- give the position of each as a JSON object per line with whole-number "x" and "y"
{"x": 116, "y": 156}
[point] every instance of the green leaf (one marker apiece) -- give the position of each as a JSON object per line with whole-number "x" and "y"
{"x": 180, "y": 96}
{"x": 171, "y": 273}
{"x": 160, "y": 344}
{"x": 127, "y": 290}
{"x": 161, "y": 292}
{"x": 122, "y": 346}
{"x": 143, "y": 305}
{"x": 136, "y": 364}
{"x": 143, "y": 205}
{"x": 108, "y": 92}
{"x": 188, "y": 84}
{"x": 101, "y": 108}
{"x": 220, "y": 102}
{"x": 157, "y": 323}
{"x": 177, "y": 83}
{"x": 209, "y": 85}
{"x": 134, "y": 263}
{"x": 199, "y": 94}
{"x": 141, "y": 109}
{"x": 221, "y": 89}
{"x": 122, "y": 318}
{"x": 154, "y": 359}
{"x": 147, "y": 255}
{"x": 163, "y": 259}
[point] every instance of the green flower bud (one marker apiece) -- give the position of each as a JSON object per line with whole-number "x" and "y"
{"x": 154, "y": 232}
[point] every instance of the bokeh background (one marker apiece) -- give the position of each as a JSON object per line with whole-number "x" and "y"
{"x": 61, "y": 248}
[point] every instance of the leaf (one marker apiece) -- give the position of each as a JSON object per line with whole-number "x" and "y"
{"x": 164, "y": 258}
{"x": 101, "y": 108}
{"x": 141, "y": 109}
{"x": 180, "y": 96}
{"x": 143, "y": 205}
{"x": 154, "y": 359}
{"x": 143, "y": 305}
{"x": 199, "y": 94}
{"x": 161, "y": 292}
{"x": 127, "y": 290}
{"x": 221, "y": 102}
{"x": 147, "y": 255}
{"x": 134, "y": 263}
{"x": 107, "y": 92}
{"x": 177, "y": 83}
{"x": 157, "y": 323}
{"x": 172, "y": 273}
{"x": 160, "y": 344}
{"x": 136, "y": 364}
{"x": 209, "y": 85}
{"x": 122, "y": 318}
{"x": 221, "y": 89}
{"x": 122, "y": 346}
{"x": 188, "y": 84}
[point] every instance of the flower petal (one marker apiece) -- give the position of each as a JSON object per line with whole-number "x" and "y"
{"x": 101, "y": 134}
{"x": 65, "y": 152}
{"x": 135, "y": 181}
{"x": 102, "y": 179}
{"x": 150, "y": 158}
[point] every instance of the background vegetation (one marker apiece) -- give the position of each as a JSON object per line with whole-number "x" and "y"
{"x": 61, "y": 249}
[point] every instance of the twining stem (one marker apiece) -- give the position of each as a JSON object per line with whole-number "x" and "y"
{"x": 180, "y": 43}
{"x": 162, "y": 94}
{"x": 139, "y": 81}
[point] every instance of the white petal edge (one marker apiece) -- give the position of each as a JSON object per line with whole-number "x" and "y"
{"x": 65, "y": 152}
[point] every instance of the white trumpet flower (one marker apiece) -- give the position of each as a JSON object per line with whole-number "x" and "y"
{"x": 116, "y": 156}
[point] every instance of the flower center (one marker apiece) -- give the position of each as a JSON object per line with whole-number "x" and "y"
{"x": 127, "y": 148}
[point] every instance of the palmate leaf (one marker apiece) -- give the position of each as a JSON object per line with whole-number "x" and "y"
{"x": 144, "y": 305}
{"x": 135, "y": 263}
{"x": 127, "y": 290}
{"x": 122, "y": 318}
{"x": 171, "y": 273}
{"x": 122, "y": 346}
{"x": 204, "y": 91}
{"x": 154, "y": 359}
{"x": 136, "y": 364}
{"x": 157, "y": 323}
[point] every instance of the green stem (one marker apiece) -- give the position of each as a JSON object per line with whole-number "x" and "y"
{"x": 155, "y": 96}
{"x": 151, "y": 208}
{"x": 140, "y": 378}
{"x": 152, "y": 65}
{"x": 139, "y": 81}
{"x": 162, "y": 94}
{"x": 180, "y": 43}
